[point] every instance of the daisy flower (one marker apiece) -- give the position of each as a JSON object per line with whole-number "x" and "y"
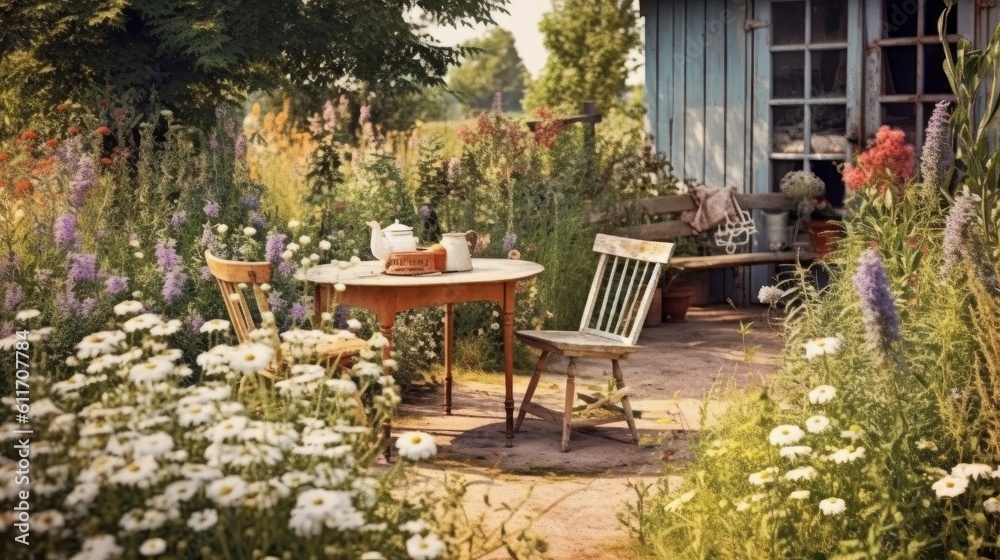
{"x": 967, "y": 470}
{"x": 228, "y": 491}
{"x": 195, "y": 471}
{"x": 153, "y": 547}
{"x": 251, "y": 358}
{"x": 424, "y": 548}
{"x": 802, "y": 473}
{"x": 48, "y": 520}
{"x": 847, "y": 454}
{"x": 142, "y": 322}
{"x": 128, "y": 307}
{"x": 202, "y": 520}
{"x": 832, "y": 506}
{"x": 228, "y": 428}
{"x": 823, "y": 346}
{"x": 950, "y": 486}
{"x": 214, "y": 325}
{"x": 415, "y": 526}
{"x": 96, "y": 344}
{"x": 150, "y": 371}
{"x": 799, "y": 495}
{"x": 166, "y": 329}
{"x": 27, "y": 315}
{"x": 156, "y": 444}
{"x": 992, "y": 505}
{"x": 195, "y": 414}
{"x": 817, "y": 424}
{"x": 761, "y": 478}
{"x": 416, "y": 446}
{"x": 794, "y": 451}
{"x": 182, "y": 490}
{"x": 786, "y": 434}
{"x": 822, "y": 394}
{"x": 139, "y": 473}
{"x": 855, "y": 432}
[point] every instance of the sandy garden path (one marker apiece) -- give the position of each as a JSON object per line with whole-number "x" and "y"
{"x": 574, "y": 497}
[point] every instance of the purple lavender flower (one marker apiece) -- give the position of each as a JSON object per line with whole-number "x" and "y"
{"x": 166, "y": 256}
{"x": 221, "y": 111}
{"x": 178, "y": 219}
{"x": 8, "y": 265}
{"x": 66, "y": 303}
{"x": 425, "y": 211}
{"x": 497, "y": 102}
{"x": 13, "y": 298}
{"x": 878, "y": 306}
{"x": 275, "y": 301}
{"x": 195, "y": 322}
{"x": 957, "y": 241}
{"x": 116, "y": 284}
{"x": 329, "y": 116}
{"x": 212, "y": 210}
{"x": 173, "y": 285}
{"x": 274, "y": 246}
{"x": 250, "y": 202}
{"x": 509, "y": 241}
{"x": 87, "y": 306}
{"x": 241, "y": 145}
{"x": 206, "y": 273}
{"x": 286, "y": 269}
{"x": 454, "y": 169}
{"x": 64, "y": 231}
{"x": 257, "y": 220}
{"x": 6, "y": 329}
{"x": 937, "y": 157}
{"x": 42, "y": 276}
{"x": 213, "y": 144}
{"x": 365, "y": 115}
{"x": 298, "y": 312}
{"x": 83, "y": 181}
{"x": 83, "y": 267}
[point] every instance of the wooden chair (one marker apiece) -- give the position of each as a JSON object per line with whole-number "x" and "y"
{"x": 230, "y": 274}
{"x": 623, "y": 287}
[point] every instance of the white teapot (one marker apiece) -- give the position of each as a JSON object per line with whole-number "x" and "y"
{"x": 396, "y": 238}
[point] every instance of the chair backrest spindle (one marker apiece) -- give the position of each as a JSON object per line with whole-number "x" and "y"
{"x": 625, "y": 288}
{"x": 229, "y": 275}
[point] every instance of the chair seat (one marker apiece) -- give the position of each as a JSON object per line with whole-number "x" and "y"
{"x": 576, "y": 343}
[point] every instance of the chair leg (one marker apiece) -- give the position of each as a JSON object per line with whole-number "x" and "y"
{"x": 532, "y": 385}
{"x": 570, "y": 399}
{"x": 626, "y": 405}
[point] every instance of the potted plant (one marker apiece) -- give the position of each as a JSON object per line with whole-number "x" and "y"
{"x": 676, "y": 295}
{"x": 825, "y": 228}
{"x": 802, "y": 188}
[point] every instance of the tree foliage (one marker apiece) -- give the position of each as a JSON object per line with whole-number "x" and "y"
{"x": 589, "y": 43}
{"x": 493, "y": 64}
{"x": 195, "y": 54}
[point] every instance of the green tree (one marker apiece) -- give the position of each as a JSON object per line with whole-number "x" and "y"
{"x": 492, "y": 65}
{"x": 588, "y": 43}
{"x": 195, "y": 54}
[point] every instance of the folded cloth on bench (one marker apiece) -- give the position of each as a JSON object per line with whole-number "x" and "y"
{"x": 714, "y": 206}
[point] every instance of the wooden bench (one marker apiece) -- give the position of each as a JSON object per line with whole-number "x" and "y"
{"x": 672, "y": 228}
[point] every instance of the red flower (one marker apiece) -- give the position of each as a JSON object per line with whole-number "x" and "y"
{"x": 104, "y": 130}
{"x": 887, "y": 164}
{"x": 52, "y": 142}
{"x": 106, "y": 161}
{"x": 4, "y": 157}
{"x": 62, "y": 107}
{"x": 120, "y": 113}
{"x": 29, "y": 135}
{"x": 74, "y": 130}
{"x": 104, "y": 102}
{"x": 23, "y": 186}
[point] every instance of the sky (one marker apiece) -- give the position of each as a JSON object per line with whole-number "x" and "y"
{"x": 522, "y": 22}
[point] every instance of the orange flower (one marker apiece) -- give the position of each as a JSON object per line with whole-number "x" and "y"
{"x": 29, "y": 135}
{"x": 52, "y": 142}
{"x": 4, "y": 157}
{"x": 74, "y": 130}
{"x": 62, "y": 107}
{"x": 104, "y": 130}
{"x": 106, "y": 161}
{"x": 23, "y": 186}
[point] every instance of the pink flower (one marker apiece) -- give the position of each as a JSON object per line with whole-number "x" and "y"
{"x": 887, "y": 164}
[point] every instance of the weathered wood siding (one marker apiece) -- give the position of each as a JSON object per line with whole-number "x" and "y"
{"x": 697, "y": 58}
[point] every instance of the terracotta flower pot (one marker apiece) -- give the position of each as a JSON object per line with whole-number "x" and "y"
{"x": 655, "y": 314}
{"x": 825, "y": 236}
{"x": 675, "y": 304}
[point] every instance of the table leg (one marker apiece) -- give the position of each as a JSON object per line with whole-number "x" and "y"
{"x": 508, "y": 357}
{"x": 449, "y": 335}
{"x": 320, "y": 304}
{"x": 386, "y": 320}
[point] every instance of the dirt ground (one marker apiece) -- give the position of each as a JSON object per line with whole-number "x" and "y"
{"x": 572, "y": 499}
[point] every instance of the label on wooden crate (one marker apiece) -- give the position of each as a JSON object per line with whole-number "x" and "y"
{"x": 410, "y": 263}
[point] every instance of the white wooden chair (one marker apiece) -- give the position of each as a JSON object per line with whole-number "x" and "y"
{"x": 623, "y": 287}
{"x": 230, "y": 274}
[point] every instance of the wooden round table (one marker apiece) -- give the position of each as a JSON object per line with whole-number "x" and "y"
{"x": 370, "y": 288}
